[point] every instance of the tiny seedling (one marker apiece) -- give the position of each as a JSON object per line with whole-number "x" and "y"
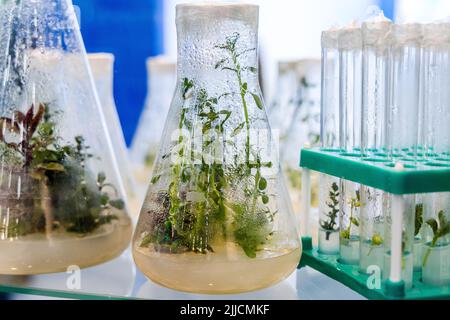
{"x": 376, "y": 241}
{"x": 354, "y": 204}
{"x": 330, "y": 225}
{"x": 441, "y": 228}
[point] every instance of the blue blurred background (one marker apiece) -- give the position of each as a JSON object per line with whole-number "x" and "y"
{"x": 132, "y": 30}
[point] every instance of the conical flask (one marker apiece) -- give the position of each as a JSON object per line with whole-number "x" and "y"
{"x": 102, "y": 66}
{"x": 61, "y": 200}
{"x": 161, "y": 82}
{"x": 217, "y": 217}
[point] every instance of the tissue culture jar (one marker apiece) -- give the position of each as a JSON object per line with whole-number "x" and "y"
{"x": 217, "y": 216}
{"x": 61, "y": 201}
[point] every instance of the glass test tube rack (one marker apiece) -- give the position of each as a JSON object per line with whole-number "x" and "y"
{"x": 398, "y": 180}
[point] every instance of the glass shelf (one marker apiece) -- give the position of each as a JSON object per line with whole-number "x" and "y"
{"x": 119, "y": 279}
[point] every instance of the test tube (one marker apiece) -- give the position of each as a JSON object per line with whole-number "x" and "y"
{"x": 328, "y": 185}
{"x": 403, "y": 98}
{"x": 436, "y": 207}
{"x": 404, "y": 102}
{"x": 373, "y": 131}
{"x": 374, "y": 86}
{"x": 350, "y": 55}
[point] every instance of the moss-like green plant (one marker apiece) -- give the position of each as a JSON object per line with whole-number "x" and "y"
{"x": 70, "y": 196}
{"x": 441, "y": 228}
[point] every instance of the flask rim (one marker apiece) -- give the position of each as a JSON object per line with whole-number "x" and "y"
{"x": 244, "y": 11}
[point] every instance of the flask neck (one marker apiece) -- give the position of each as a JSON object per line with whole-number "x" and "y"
{"x": 216, "y": 50}
{"x": 160, "y": 82}
{"x": 102, "y": 66}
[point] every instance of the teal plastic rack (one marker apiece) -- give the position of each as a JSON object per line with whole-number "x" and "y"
{"x": 380, "y": 173}
{"x": 410, "y": 178}
{"x": 350, "y": 276}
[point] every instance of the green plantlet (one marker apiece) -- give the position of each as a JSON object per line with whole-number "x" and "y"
{"x": 441, "y": 228}
{"x": 331, "y": 225}
{"x": 354, "y": 203}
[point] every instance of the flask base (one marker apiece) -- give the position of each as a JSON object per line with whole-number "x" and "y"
{"x": 227, "y": 270}
{"x": 39, "y": 254}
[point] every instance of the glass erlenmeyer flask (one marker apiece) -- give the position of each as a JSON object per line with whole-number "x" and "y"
{"x": 61, "y": 201}
{"x": 217, "y": 217}
{"x": 329, "y": 193}
{"x": 161, "y": 82}
{"x": 102, "y": 66}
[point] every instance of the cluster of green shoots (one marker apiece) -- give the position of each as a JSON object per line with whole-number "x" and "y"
{"x": 195, "y": 225}
{"x": 57, "y": 189}
{"x": 440, "y": 228}
{"x": 353, "y": 220}
{"x": 330, "y": 225}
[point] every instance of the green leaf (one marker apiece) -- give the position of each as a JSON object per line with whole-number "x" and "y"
{"x": 345, "y": 234}
{"x": 155, "y": 179}
{"x": 187, "y": 85}
{"x": 304, "y": 82}
{"x": 334, "y": 187}
{"x": 442, "y": 219}
{"x": 418, "y": 219}
{"x": 104, "y": 199}
{"x": 257, "y": 100}
{"x": 220, "y": 63}
{"x": 354, "y": 221}
{"x": 107, "y": 219}
{"x": 262, "y": 184}
{"x": 52, "y": 166}
{"x": 101, "y": 177}
{"x": 250, "y": 251}
{"x": 118, "y": 204}
{"x": 148, "y": 239}
{"x": 238, "y": 129}
{"x": 206, "y": 127}
{"x": 433, "y": 225}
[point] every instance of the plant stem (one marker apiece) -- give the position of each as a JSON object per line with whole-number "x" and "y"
{"x": 350, "y": 223}
{"x": 244, "y": 104}
{"x": 427, "y": 254}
